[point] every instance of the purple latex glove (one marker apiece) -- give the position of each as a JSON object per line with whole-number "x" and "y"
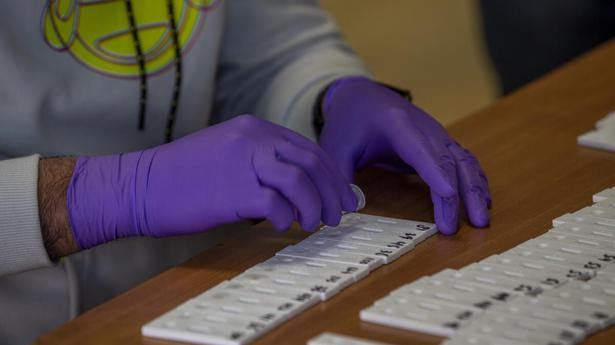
{"x": 244, "y": 168}
{"x": 369, "y": 124}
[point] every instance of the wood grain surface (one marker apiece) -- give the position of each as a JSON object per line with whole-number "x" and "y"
{"x": 526, "y": 143}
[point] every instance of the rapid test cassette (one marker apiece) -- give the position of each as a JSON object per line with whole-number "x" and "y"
{"x": 557, "y": 288}
{"x": 297, "y": 277}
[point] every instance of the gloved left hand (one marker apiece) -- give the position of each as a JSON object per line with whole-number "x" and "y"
{"x": 367, "y": 124}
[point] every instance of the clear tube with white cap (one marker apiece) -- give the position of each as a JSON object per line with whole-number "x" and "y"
{"x": 360, "y": 196}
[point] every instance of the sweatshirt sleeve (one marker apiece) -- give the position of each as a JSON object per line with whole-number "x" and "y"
{"x": 21, "y": 242}
{"x": 276, "y": 57}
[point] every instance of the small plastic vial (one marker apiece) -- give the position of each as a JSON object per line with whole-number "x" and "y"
{"x": 360, "y": 196}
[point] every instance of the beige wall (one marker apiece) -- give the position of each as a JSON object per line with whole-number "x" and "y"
{"x": 433, "y": 47}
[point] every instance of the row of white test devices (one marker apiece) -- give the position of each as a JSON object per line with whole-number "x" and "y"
{"x": 554, "y": 289}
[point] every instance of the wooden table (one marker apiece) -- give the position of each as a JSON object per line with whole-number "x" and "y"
{"x": 527, "y": 145}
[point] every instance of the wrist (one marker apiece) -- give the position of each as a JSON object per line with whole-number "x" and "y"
{"x": 53, "y": 178}
{"x": 344, "y": 82}
{"x": 105, "y": 197}
{"x": 324, "y": 98}
{"x": 340, "y": 84}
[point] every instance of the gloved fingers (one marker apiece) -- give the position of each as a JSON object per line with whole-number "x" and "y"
{"x": 446, "y": 209}
{"x": 486, "y": 191}
{"x": 268, "y": 204}
{"x": 415, "y": 149}
{"x": 473, "y": 186}
{"x": 335, "y": 168}
{"x": 320, "y": 177}
{"x": 276, "y": 209}
{"x": 294, "y": 184}
{"x": 446, "y": 213}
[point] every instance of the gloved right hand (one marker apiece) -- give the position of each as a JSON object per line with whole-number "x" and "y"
{"x": 243, "y": 168}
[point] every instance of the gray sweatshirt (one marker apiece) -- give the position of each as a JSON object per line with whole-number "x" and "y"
{"x": 96, "y": 77}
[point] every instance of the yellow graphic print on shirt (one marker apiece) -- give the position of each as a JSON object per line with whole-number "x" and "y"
{"x": 106, "y": 35}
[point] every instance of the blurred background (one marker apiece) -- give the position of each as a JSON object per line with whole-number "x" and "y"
{"x": 456, "y": 56}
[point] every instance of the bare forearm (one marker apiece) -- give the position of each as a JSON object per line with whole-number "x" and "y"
{"x": 53, "y": 179}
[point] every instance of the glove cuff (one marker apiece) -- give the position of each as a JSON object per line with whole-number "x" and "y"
{"x": 105, "y": 197}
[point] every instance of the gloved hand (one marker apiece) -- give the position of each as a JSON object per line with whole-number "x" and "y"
{"x": 243, "y": 168}
{"x": 367, "y": 124}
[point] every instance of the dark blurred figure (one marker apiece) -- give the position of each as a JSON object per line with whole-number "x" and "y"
{"x": 527, "y": 38}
